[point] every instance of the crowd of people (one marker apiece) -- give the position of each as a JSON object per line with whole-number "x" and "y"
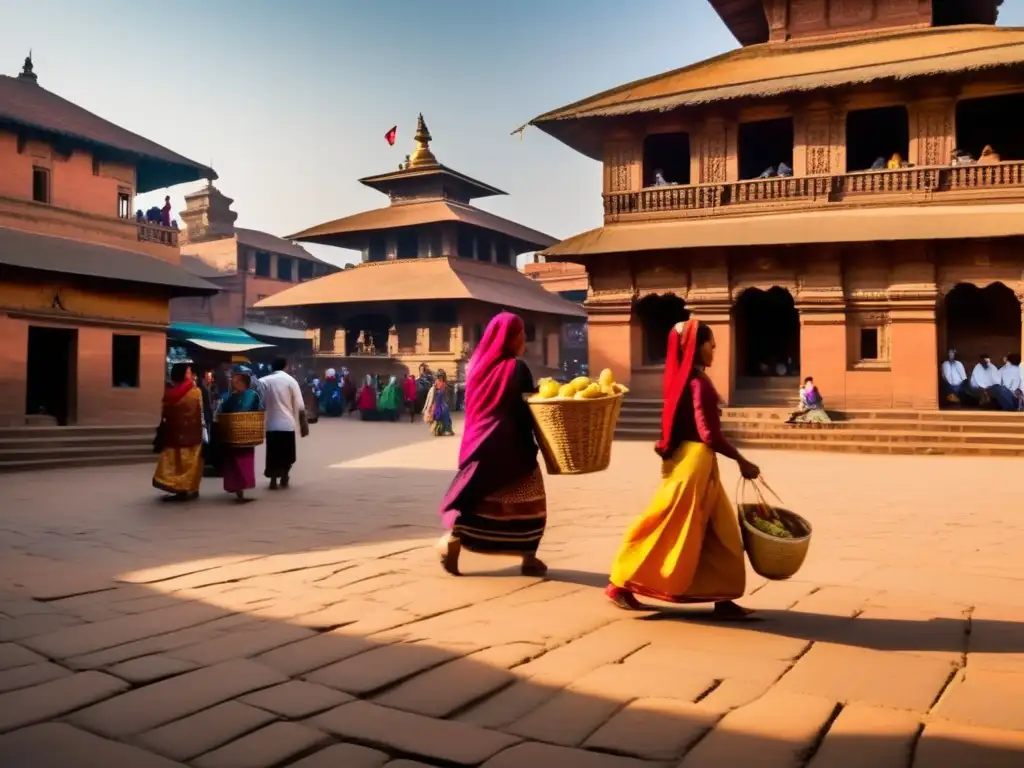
{"x": 989, "y": 386}
{"x": 189, "y": 444}
{"x": 379, "y": 398}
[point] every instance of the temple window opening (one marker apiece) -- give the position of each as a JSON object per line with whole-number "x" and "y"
{"x": 869, "y": 349}
{"x": 306, "y": 270}
{"x": 464, "y": 238}
{"x": 666, "y": 159}
{"x": 483, "y": 248}
{"x": 124, "y": 203}
{"x": 982, "y": 321}
{"x": 40, "y": 185}
{"x": 992, "y": 122}
{"x": 262, "y": 264}
{"x": 875, "y": 136}
{"x": 766, "y": 148}
{"x": 657, "y": 314}
{"x": 408, "y": 244}
{"x": 284, "y": 268}
{"x": 767, "y": 333}
{"x": 377, "y": 250}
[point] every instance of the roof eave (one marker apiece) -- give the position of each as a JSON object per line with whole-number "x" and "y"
{"x": 381, "y": 182}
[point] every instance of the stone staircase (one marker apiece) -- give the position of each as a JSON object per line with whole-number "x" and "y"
{"x": 964, "y": 433}
{"x": 48, "y": 447}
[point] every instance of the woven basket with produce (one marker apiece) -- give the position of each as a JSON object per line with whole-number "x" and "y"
{"x": 242, "y": 430}
{"x": 575, "y": 422}
{"x": 776, "y": 539}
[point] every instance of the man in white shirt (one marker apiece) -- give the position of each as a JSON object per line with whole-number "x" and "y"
{"x": 986, "y": 383}
{"x": 954, "y": 380}
{"x": 286, "y": 411}
{"x": 1010, "y": 376}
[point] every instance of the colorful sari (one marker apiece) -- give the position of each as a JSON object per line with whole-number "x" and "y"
{"x": 238, "y": 463}
{"x": 367, "y": 400}
{"x": 496, "y": 504}
{"x": 179, "y": 470}
{"x": 686, "y": 547}
{"x": 390, "y": 401}
{"x": 436, "y": 411}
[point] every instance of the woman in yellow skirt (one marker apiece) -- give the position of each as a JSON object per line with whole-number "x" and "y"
{"x": 687, "y": 546}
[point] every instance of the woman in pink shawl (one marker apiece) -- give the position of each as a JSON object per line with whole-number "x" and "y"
{"x": 496, "y": 504}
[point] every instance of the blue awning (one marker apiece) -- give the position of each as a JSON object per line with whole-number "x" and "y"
{"x": 214, "y": 338}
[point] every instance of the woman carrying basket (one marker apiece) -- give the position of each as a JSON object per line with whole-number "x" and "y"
{"x": 687, "y": 546}
{"x": 496, "y": 504}
{"x": 239, "y": 463}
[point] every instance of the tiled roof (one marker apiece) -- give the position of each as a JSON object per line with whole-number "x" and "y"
{"x": 25, "y": 104}
{"x": 424, "y": 280}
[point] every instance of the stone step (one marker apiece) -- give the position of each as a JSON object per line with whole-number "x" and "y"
{"x": 76, "y": 441}
{"x": 32, "y": 433}
{"x": 111, "y": 458}
{"x": 651, "y": 406}
{"x": 653, "y": 421}
{"x": 856, "y": 445}
{"x": 32, "y": 452}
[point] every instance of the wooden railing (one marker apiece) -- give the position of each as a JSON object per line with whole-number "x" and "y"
{"x": 157, "y": 233}
{"x": 702, "y": 199}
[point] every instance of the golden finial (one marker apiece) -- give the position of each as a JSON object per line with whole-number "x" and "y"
{"x": 421, "y": 156}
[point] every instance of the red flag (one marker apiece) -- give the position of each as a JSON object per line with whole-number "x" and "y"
{"x": 391, "y": 135}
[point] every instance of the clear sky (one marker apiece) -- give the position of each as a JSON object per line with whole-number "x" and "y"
{"x": 290, "y": 101}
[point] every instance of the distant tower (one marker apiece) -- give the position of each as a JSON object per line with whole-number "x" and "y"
{"x": 207, "y": 215}
{"x": 27, "y": 71}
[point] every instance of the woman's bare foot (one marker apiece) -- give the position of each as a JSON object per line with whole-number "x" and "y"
{"x": 532, "y": 566}
{"x": 449, "y": 549}
{"x": 623, "y": 598}
{"x": 728, "y": 610}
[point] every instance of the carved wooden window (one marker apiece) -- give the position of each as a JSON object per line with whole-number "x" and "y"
{"x": 993, "y": 122}
{"x": 41, "y": 185}
{"x": 869, "y": 341}
{"x": 870, "y": 344}
{"x": 666, "y": 159}
{"x": 874, "y": 136}
{"x": 766, "y": 148}
{"x": 125, "y": 357}
{"x": 124, "y": 202}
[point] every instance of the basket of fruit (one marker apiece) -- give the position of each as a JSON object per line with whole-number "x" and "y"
{"x": 776, "y": 540}
{"x": 575, "y": 422}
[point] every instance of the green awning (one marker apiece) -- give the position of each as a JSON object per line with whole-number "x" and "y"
{"x": 214, "y": 338}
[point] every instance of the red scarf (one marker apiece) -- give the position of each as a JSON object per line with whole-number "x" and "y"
{"x": 682, "y": 349}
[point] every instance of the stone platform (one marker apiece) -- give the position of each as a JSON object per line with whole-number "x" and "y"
{"x": 313, "y": 628}
{"x": 958, "y": 433}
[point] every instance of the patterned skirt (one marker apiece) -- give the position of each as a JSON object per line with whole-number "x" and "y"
{"x": 508, "y": 522}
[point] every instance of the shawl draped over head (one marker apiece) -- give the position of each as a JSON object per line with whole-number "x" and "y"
{"x": 175, "y": 392}
{"x": 489, "y": 382}
{"x": 682, "y": 350}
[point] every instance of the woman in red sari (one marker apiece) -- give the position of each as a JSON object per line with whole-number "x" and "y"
{"x": 687, "y": 546}
{"x": 180, "y": 467}
{"x": 496, "y": 504}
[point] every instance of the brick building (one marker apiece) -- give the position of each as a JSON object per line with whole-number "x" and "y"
{"x": 842, "y": 197}
{"x": 85, "y": 289}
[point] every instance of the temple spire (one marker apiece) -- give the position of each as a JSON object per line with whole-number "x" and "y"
{"x": 421, "y": 156}
{"x": 27, "y": 71}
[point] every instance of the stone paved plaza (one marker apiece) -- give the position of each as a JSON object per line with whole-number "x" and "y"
{"x": 314, "y": 627}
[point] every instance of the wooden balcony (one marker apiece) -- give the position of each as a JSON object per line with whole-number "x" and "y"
{"x": 913, "y": 185}
{"x": 157, "y": 233}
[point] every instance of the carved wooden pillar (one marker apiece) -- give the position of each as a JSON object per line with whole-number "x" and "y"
{"x": 623, "y": 165}
{"x": 327, "y": 338}
{"x": 913, "y": 301}
{"x": 932, "y": 131}
{"x": 423, "y": 341}
{"x": 338, "y": 344}
{"x": 821, "y": 304}
{"x": 392, "y": 341}
{"x": 709, "y": 163}
{"x": 822, "y": 140}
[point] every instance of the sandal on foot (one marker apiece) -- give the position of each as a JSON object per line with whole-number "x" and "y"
{"x": 534, "y": 567}
{"x": 449, "y": 555}
{"x": 623, "y": 598}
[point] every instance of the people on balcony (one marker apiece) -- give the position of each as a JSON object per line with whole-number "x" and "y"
{"x": 988, "y": 156}
{"x": 954, "y": 384}
{"x": 660, "y": 180}
{"x": 165, "y": 212}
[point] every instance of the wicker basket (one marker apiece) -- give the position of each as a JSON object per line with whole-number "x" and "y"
{"x": 242, "y": 430}
{"x": 770, "y": 556}
{"x": 575, "y": 436}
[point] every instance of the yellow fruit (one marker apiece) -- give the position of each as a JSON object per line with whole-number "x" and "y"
{"x": 580, "y": 383}
{"x": 591, "y": 392}
{"x": 548, "y": 389}
{"x": 607, "y": 377}
{"x": 566, "y": 390}
{"x": 608, "y": 389}
{"x": 620, "y": 389}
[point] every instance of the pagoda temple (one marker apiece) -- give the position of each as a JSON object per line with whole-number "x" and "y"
{"x": 842, "y": 197}
{"x": 435, "y": 269}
